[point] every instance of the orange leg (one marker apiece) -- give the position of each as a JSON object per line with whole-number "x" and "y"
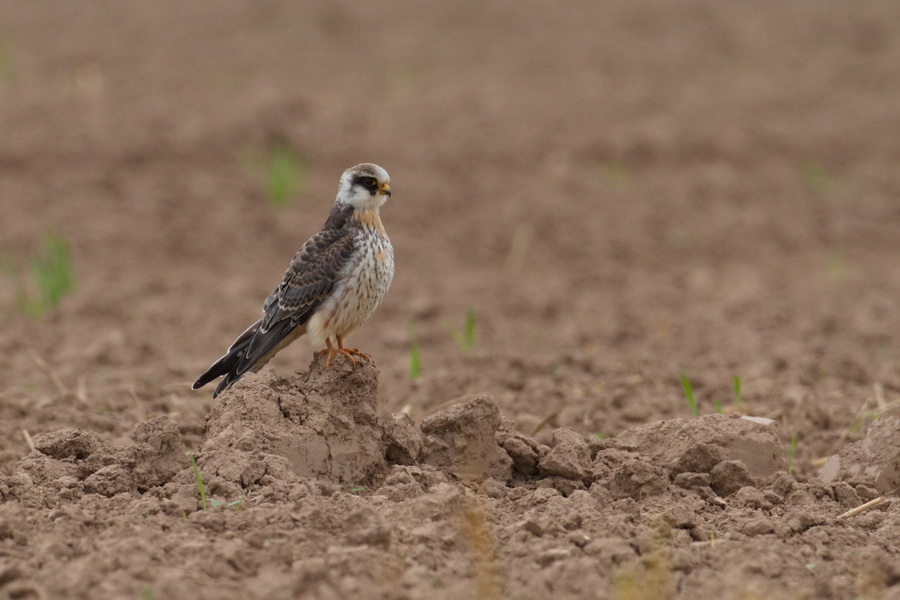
{"x": 331, "y": 351}
{"x": 348, "y": 351}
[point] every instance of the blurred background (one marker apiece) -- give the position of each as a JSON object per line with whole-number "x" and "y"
{"x": 590, "y": 200}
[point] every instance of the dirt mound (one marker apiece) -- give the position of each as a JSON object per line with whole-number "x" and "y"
{"x": 309, "y": 489}
{"x": 461, "y": 441}
{"x": 324, "y": 425}
{"x": 872, "y": 461}
{"x": 71, "y": 462}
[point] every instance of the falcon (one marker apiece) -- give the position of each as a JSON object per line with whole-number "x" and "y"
{"x": 333, "y": 284}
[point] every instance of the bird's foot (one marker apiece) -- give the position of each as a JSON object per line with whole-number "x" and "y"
{"x": 359, "y": 353}
{"x": 349, "y": 353}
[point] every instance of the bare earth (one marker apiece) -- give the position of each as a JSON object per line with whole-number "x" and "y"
{"x": 621, "y": 192}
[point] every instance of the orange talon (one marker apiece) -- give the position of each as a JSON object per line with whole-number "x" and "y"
{"x": 360, "y": 354}
{"x": 349, "y": 353}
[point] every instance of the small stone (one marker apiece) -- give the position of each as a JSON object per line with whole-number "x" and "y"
{"x": 683, "y": 518}
{"x": 798, "y": 520}
{"x": 638, "y": 479}
{"x": 552, "y": 555}
{"x": 460, "y": 439}
{"x": 845, "y": 495}
{"x": 866, "y": 493}
{"x": 569, "y": 457}
{"x": 750, "y": 497}
{"x": 729, "y": 476}
{"x": 784, "y": 485}
{"x": 524, "y": 454}
{"x": 368, "y": 527}
{"x": 772, "y": 498}
{"x": 404, "y": 439}
{"x": 690, "y": 481}
{"x": 579, "y": 538}
{"x": 493, "y": 488}
{"x": 533, "y": 527}
{"x": 68, "y": 443}
{"x": 109, "y": 481}
{"x": 758, "y": 526}
{"x": 697, "y": 445}
{"x": 561, "y": 484}
{"x": 873, "y": 461}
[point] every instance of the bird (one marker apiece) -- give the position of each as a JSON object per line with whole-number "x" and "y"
{"x": 331, "y": 287}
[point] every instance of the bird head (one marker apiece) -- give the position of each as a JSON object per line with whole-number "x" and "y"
{"x": 364, "y": 187}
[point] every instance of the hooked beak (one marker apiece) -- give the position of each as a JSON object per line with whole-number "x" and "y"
{"x": 385, "y": 189}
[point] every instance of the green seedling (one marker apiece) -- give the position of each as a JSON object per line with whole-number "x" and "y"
{"x": 199, "y": 479}
{"x": 357, "y": 490}
{"x": 614, "y": 174}
{"x": 689, "y": 395}
{"x": 147, "y": 594}
{"x": 465, "y": 339}
{"x": 818, "y": 179}
{"x": 51, "y": 277}
{"x": 284, "y": 172}
{"x": 792, "y": 454}
{"x": 234, "y": 503}
{"x": 286, "y": 175}
{"x": 738, "y": 397}
{"x": 5, "y": 60}
{"x": 415, "y": 357}
{"x": 837, "y": 266}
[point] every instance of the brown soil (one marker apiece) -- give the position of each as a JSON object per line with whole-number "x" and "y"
{"x": 621, "y": 192}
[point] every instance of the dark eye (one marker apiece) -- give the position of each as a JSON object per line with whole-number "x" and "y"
{"x": 369, "y": 182}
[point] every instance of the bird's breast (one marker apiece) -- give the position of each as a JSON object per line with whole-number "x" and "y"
{"x": 361, "y": 286}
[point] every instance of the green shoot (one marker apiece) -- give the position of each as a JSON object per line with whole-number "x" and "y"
{"x": 615, "y": 174}
{"x": 718, "y": 407}
{"x": 689, "y": 394}
{"x": 147, "y": 594}
{"x": 465, "y": 339}
{"x": 792, "y": 454}
{"x": 415, "y": 357}
{"x": 285, "y": 176}
{"x": 51, "y": 275}
{"x": 5, "y": 60}
{"x": 199, "y": 479}
{"x": 738, "y": 397}
{"x": 837, "y": 266}
{"x": 818, "y": 179}
{"x": 283, "y": 171}
{"x": 357, "y": 490}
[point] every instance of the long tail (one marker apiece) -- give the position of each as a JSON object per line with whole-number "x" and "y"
{"x": 250, "y": 352}
{"x": 229, "y": 365}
